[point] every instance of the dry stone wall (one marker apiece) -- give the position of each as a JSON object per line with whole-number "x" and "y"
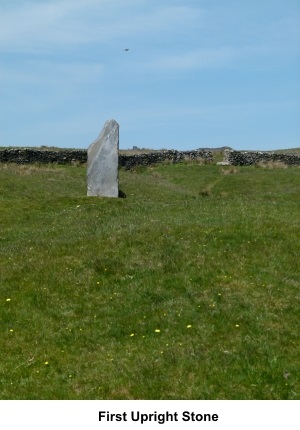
{"x": 28, "y": 155}
{"x": 247, "y": 158}
{"x": 172, "y": 156}
{"x": 69, "y": 156}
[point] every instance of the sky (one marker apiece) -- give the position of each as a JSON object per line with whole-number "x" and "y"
{"x": 198, "y": 73}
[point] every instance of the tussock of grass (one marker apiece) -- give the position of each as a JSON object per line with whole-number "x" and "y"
{"x": 232, "y": 170}
{"x": 272, "y": 165}
{"x": 162, "y": 295}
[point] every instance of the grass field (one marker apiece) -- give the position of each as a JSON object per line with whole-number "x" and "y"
{"x": 186, "y": 289}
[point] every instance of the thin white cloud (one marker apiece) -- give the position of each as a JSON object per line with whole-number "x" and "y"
{"x": 211, "y": 113}
{"x": 36, "y": 25}
{"x": 40, "y": 26}
{"x": 63, "y": 68}
{"x": 80, "y": 128}
{"x": 28, "y": 22}
{"x": 250, "y": 57}
{"x": 196, "y": 59}
{"x": 46, "y": 72}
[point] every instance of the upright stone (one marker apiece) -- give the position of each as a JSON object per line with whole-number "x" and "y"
{"x": 102, "y": 163}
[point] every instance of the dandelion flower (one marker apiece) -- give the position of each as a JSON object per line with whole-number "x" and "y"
{"x": 132, "y": 334}
{"x": 46, "y": 363}
{"x": 188, "y": 326}
{"x": 11, "y": 330}
{"x": 237, "y": 325}
{"x": 157, "y": 331}
{"x": 8, "y": 300}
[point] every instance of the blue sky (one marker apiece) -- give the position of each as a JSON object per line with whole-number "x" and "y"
{"x": 198, "y": 73}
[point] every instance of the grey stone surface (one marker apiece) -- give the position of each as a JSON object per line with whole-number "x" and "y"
{"x": 102, "y": 162}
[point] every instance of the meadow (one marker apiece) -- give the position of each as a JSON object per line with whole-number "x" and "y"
{"x": 188, "y": 288}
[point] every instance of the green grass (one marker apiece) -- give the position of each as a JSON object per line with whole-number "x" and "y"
{"x": 208, "y": 256}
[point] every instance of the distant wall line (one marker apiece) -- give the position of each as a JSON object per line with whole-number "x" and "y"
{"x": 71, "y": 156}
{"x": 247, "y": 158}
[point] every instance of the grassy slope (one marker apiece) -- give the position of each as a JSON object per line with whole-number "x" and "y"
{"x": 295, "y": 151}
{"x": 208, "y": 259}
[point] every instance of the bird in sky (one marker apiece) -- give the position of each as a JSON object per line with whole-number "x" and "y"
{"x": 126, "y": 49}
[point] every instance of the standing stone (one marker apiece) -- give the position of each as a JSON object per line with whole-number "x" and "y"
{"x": 102, "y": 163}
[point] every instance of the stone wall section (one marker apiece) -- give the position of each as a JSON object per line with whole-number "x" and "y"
{"x": 69, "y": 156}
{"x": 28, "y": 155}
{"x": 247, "y": 158}
{"x": 171, "y": 156}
